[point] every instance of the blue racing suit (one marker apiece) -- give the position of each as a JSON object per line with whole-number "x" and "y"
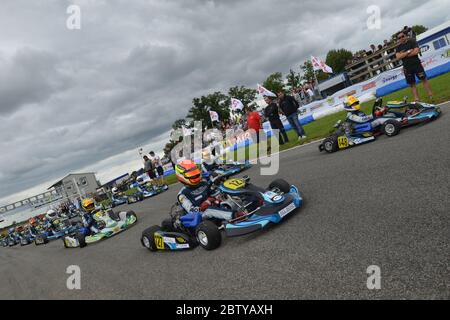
{"x": 192, "y": 198}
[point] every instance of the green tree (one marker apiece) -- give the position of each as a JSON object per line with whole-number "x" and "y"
{"x": 246, "y": 95}
{"x": 274, "y": 82}
{"x": 216, "y": 101}
{"x": 293, "y": 79}
{"x": 337, "y": 59}
{"x": 169, "y": 146}
{"x": 418, "y": 29}
{"x": 308, "y": 71}
{"x": 178, "y": 124}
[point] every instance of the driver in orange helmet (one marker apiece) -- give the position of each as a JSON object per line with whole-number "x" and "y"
{"x": 197, "y": 195}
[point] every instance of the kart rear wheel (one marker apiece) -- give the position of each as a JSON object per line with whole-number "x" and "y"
{"x": 330, "y": 145}
{"x": 131, "y": 213}
{"x": 281, "y": 185}
{"x": 208, "y": 235}
{"x": 148, "y": 238}
{"x": 391, "y": 128}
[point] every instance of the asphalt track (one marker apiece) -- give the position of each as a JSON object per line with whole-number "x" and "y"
{"x": 385, "y": 203}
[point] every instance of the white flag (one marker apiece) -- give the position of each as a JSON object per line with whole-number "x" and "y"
{"x": 186, "y": 131}
{"x": 214, "y": 116}
{"x": 236, "y": 104}
{"x": 263, "y": 91}
{"x": 320, "y": 65}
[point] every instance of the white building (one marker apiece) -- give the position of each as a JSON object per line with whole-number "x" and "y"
{"x": 77, "y": 185}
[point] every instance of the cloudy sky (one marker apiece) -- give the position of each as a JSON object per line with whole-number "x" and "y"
{"x": 85, "y": 100}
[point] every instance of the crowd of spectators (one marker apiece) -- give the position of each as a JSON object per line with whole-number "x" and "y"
{"x": 379, "y": 55}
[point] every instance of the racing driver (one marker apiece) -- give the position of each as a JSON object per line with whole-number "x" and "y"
{"x": 197, "y": 195}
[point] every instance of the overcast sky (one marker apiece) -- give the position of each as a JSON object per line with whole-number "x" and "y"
{"x": 85, "y": 100}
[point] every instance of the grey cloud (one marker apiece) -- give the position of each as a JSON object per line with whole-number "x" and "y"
{"x": 70, "y": 99}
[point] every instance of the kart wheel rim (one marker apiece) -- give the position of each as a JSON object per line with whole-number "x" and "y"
{"x": 390, "y": 128}
{"x": 202, "y": 238}
{"x": 146, "y": 242}
{"x": 328, "y": 145}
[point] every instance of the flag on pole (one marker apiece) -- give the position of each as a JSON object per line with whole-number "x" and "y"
{"x": 263, "y": 91}
{"x": 236, "y": 104}
{"x": 186, "y": 131}
{"x": 320, "y": 65}
{"x": 214, "y": 116}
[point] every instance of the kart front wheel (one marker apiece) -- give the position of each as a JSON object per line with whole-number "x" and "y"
{"x": 81, "y": 240}
{"x": 330, "y": 145}
{"x": 148, "y": 238}
{"x": 281, "y": 185}
{"x": 208, "y": 235}
{"x": 391, "y": 128}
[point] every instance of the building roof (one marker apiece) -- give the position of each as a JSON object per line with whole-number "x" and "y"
{"x": 70, "y": 174}
{"x": 433, "y": 31}
{"x": 115, "y": 179}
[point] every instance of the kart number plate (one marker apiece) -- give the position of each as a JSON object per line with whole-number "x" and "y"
{"x": 342, "y": 142}
{"x": 287, "y": 210}
{"x": 234, "y": 184}
{"x": 159, "y": 242}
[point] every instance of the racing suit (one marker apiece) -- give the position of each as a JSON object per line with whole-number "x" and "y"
{"x": 89, "y": 222}
{"x": 199, "y": 199}
{"x": 358, "y": 117}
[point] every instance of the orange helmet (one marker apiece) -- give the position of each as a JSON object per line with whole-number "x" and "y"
{"x": 188, "y": 173}
{"x": 32, "y": 222}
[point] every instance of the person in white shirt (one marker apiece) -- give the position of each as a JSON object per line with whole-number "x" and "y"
{"x": 157, "y": 164}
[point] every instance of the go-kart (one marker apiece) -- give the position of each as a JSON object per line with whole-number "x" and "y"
{"x": 117, "y": 200}
{"x": 108, "y": 224}
{"x": 12, "y": 240}
{"x": 259, "y": 207}
{"x": 398, "y": 114}
{"x": 27, "y": 238}
{"x": 147, "y": 190}
{"x": 225, "y": 170}
{"x": 56, "y": 231}
{"x": 346, "y": 135}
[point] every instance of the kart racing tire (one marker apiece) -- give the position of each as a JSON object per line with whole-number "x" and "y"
{"x": 81, "y": 240}
{"x": 330, "y": 145}
{"x": 391, "y": 128}
{"x": 280, "y": 184}
{"x": 148, "y": 238}
{"x": 208, "y": 235}
{"x": 131, "y": 213}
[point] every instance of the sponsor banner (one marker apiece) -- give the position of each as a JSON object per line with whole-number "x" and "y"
{"x": 168, "y": 169}
{"x": 434, "y": 63}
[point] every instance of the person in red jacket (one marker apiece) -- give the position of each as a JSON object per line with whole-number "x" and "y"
{"x": 254, "y": 121}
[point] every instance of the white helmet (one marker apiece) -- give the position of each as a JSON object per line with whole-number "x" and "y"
{"x": 50, "y": 214}
{"x": 114, "y": 190}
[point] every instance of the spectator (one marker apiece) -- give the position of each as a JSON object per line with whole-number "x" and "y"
{"x": 408, "y": 51}
{"x": 149, "y": 169}
{"x": 157, "y": 164}
{"x": 271, "y": 113}
{"x": 289, "y": 106}
{"x": 254, "y": 121}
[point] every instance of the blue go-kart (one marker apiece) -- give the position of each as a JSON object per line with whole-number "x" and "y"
{"x": 65, "y": 227}
{"x": 258, "y": 208}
